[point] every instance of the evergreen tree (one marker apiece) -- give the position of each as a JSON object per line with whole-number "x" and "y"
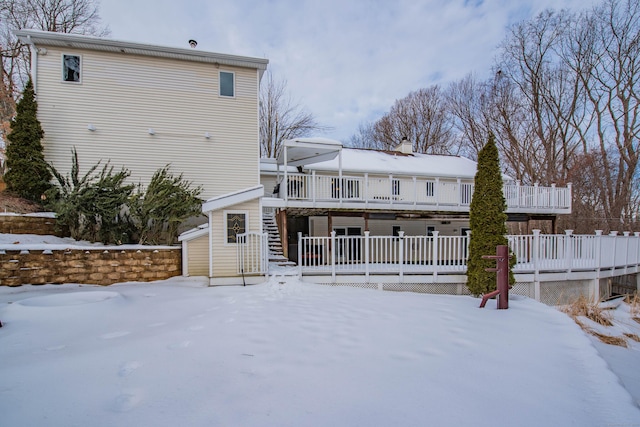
{"x": 28, "y": 174}
{"x": 487, "y": 220}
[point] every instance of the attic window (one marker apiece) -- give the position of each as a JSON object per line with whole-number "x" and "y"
{"x": 227, "y": 84}
{"x": 71, "y": 65}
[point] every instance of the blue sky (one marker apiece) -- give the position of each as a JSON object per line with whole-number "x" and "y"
{"x": 344, "y": 61}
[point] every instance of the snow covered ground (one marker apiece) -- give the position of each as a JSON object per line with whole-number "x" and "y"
{"x": 179, "y": 353}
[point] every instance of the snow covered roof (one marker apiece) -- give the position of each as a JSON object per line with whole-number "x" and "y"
{"x": 394, "y": 162}
{"x": 47, "y": 38}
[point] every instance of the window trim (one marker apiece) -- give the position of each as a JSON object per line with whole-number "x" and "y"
{"x": 225, "y": 223}
{"x": 220, "y": 84}
{"x": 62, "y": 68}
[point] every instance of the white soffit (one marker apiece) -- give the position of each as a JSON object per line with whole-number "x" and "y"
{"x": 303, "y": 151}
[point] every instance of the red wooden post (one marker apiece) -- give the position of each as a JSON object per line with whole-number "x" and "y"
{"x": 502, "y": 277}
{"x": 502, "y": 251}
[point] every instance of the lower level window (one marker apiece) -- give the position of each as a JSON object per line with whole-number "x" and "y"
{"x": 236, "y": 224}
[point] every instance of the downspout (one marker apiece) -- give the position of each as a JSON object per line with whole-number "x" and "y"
{"x": 34, "y": 64}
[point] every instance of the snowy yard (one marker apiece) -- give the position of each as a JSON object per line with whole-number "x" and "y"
{"x": 180, "y": 353}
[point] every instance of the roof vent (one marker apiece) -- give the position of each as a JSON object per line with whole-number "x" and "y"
{"x": 193, "y": 43}
{"x": 405, "y": 146}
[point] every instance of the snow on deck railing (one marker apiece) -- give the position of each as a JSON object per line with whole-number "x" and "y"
{"x": 435, "y": 254}
{"x": 415, "y": 191}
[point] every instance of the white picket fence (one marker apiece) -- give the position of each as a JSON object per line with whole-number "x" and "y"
{"x": 536, "y": 253}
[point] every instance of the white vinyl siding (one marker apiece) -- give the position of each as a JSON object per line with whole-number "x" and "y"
{"x": 123, "y": 96}
{"x": 224, "y": 255}
{"x": 198, "y": 256}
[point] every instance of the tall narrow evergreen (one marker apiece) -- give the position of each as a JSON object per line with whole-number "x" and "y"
{"x": 28, "y": 174}
{"x": 487, "y": 220}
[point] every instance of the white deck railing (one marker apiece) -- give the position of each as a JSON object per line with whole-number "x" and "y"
{"x": 253, "y": 253}
{"x": 435, "y": 254}
{"x": 417, "y": 191}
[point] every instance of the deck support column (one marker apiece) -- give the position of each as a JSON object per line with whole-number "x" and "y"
{"x": 285, "y": 235}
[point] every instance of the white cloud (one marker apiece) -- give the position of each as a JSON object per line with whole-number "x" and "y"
{"x": 346, "y": 61}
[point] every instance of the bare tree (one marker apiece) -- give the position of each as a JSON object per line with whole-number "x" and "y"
{"x": 66, "y": 16}
{"x": 549, "y": 94}
{"x": 604, "y": 51}
{"x": 281, "y": 118}
{"x": 468, "y": 103}
{"x": 365, "y": 137}
{"x": 422, "y": 118}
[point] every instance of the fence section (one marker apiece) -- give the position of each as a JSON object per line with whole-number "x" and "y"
{"x": 535, "y": 253}
{"x": 253, "y": 253}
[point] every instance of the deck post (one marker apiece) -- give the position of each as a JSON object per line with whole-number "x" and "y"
{"x": 300, "y": 253}
{"x": 626, "y": 261}
{"x": 401, "y": 255}
{"x": 434, "y": 254}
{"x": 314, "y": 184}
{"x": 554, "y": 196}
{"x": 366, "y": 254}
{"x": 333, "y": 256}
{"x": 285, "y": 234}
{"x": 341, "y": 185}
{"x": 535, "y": 252}
{"x": 568, "y": 250}
{"x": 366, "y": 190}
{"x": 614, "y": 264}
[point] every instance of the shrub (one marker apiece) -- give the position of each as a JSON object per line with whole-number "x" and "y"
{"x": 166, "y": 203}
{"x": 92, "y": 206}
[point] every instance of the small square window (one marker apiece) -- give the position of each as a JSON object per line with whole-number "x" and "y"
{"x": 227, "y": 87}
{"x": 71, "y": 68}
{"x": 236, "y": 224}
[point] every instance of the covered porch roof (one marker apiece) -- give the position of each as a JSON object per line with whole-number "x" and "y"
{"x": 302, "y": 151}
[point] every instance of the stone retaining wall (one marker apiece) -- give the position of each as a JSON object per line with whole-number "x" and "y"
{"x": 92, "y": 266}
{"x": 28, "y": 224}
